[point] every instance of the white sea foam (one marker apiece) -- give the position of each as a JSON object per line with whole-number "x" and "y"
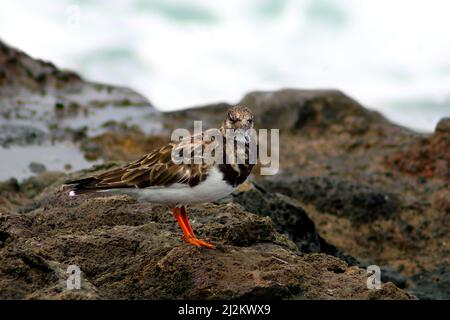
{"x": 184, "y": 53}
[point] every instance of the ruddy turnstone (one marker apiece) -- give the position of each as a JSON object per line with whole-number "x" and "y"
{"x": 157, "y": 178}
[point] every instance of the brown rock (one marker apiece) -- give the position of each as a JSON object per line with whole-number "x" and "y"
{"x": 131, "y": 250}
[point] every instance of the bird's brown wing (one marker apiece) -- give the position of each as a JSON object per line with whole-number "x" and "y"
{"x": 153, "y": 169}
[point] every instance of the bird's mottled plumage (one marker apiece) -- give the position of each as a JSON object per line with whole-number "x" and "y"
{"x": 157, "y": 169}
{"x": 151, "y": 170}
{"x": 155, "y": 177}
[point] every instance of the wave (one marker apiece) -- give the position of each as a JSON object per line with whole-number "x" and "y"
{"x": 390, "y": 55}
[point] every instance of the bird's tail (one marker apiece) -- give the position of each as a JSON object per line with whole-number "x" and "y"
{"x": 82, "y": 186}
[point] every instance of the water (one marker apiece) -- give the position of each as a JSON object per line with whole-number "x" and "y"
{"x": 392, "y": 56}
{"x": 56, "y": 157}
{"x": 30, "y": 122}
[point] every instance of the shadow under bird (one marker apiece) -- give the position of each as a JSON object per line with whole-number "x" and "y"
{"x": 157, "y": 178}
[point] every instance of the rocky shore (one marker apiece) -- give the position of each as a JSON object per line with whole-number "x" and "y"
{"x": 353, "y": 190}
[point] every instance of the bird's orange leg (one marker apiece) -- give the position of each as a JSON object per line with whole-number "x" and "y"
{"x": 181, "y": 216}
{"x": 184, "y": 216}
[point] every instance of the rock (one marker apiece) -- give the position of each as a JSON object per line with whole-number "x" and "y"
{"x": 11, "y": 185}
{"x": 20, "y": 195}
{"x": 131, "y": 250}
{"x": 37, "y": 167}
{"x": 374, "y": 190}
{"x": 41, "y": 105}
{"x": 443, "y": 125}
{"x": 309, "y": 110}
{"x": 211, "y": 116}
{"x": 22, "y": 71}
{"x": 289, "y": 218}
{"x": 389, "y": 274}
{"x": 355, "y": 201}
{"x": 432, "y": 285}
{"x": 121, "y": 145}
{"x": 20, "y": 135}
{"x": 427, "y": 157}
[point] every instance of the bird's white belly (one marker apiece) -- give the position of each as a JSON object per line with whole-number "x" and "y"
{"x": 211, "y": 189}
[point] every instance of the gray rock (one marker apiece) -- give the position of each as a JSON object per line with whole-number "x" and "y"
{"x": 291, "y": 109}
{"x": 336, "y": 196}
{"x": 11, "y": 134}
{"x": 37, "y": 167}
{"x": 432, "y": 285}
{"x": 443, "y": 125}
{"x": 389, "y": 274}
{"x": 289, "y": 218}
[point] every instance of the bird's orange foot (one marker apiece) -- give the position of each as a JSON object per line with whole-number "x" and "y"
{"x": 181, "y": 216}
{"x": 197, "y": 242}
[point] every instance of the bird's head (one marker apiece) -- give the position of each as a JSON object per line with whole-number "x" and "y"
{"x": 238, "y": 118}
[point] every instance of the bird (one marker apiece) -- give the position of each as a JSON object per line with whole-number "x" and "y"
{"x": 159, "y": 177}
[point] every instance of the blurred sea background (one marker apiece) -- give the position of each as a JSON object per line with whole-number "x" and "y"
{"x": 392, "y": 56}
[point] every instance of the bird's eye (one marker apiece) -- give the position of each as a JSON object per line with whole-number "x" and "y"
{"x": 250, "y": 121}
